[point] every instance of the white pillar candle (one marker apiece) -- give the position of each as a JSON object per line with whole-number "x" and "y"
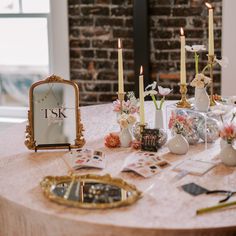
{"x": 182, "y": 58}
{"x": 141, "y": 97}
{"x": 210, "y": 30}
{"x": 120, "y": 69}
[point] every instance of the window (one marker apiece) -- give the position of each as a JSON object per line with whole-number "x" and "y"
{"x": 33, "y": 44}
{"x": 23, "y": 48}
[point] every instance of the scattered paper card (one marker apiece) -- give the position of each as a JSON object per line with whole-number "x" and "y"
{"x": 194, "y": 167}
{"x": 86, "y": 158}
{"x": 145, "y": 164}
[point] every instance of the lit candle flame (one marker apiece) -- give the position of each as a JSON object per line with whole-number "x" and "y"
{"x": 119, "y": 43}
{"x": 181, "y": 31}
{"x": 141, "y": 70}
{"x": 208, "y": 5}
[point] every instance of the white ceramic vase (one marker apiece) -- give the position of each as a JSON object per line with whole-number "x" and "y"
{"x": 202, "y": 101}
{"x": 158, "y": 122}
{"x": 223, "y": 143}
{"x": 125, "y": 137}
{"x": 228, "y": 155}
{"x": 178, "y": 144}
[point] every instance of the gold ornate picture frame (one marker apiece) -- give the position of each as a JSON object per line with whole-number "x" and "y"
{"x": 30, "y": 141}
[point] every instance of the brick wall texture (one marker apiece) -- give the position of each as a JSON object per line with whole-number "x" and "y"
{"x": 96, "y": 25}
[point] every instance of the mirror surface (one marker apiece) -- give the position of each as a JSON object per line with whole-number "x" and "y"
{"x": 90, "y": 191}
{"x": 54, "y": 113}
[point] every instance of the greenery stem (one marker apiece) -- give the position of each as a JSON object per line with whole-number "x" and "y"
{"x": 155, "y": 102}
{"x": 162, "y": 101}
{"x": 205, "y": 68}
{"x": 196, "y": 56}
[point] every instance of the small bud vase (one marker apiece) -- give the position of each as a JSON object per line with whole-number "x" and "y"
{"x": 202, "y": 101}
{"x": 228, "y": 155}
{"x": 178, "y": 145}
{"x": 158, "y": 122}
{"x": 125, "y": 137}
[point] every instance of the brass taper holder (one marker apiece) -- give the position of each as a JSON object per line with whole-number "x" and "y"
{"x": 183, "y": 103}
{"x": 121, "y": 97}
{"x": 142, "y": 126}
{"x": 211, "y": 59}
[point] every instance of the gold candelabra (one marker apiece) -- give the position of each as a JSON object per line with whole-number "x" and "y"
{"x": 183, "y": 103}
{"x": 211, "y": 63}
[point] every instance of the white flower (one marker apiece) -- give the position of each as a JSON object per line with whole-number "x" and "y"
{"x": 223, "y": 62}
{"x": 207, "y": 80}
{"x": 164, "y": 91}
{"x": 195, "y": 48}
{"x": 152, "y": 86}
{"x": 231, "y": 100}
{"x": 200, "y": 81}
{"x": 149, "y": 92}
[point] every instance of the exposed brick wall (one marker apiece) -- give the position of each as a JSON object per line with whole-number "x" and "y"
{"x": 95, "y": 26}
{"x": 166, "y": 18}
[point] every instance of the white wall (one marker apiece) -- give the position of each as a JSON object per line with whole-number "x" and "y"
{"x": 229, "y": 47}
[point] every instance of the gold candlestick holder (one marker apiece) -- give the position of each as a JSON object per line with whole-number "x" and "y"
{"x": 121, "y": 97}
{"x": 142, "y": 126}
{"x": 183, "y": 103}
{"x": 141, "y": 129}
{"x": 211, "y": 63}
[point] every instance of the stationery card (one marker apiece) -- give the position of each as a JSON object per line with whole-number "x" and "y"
{"x": 145, "y": 164}
{"x": 86, "y": 158}
{"x": 194, "y": 167}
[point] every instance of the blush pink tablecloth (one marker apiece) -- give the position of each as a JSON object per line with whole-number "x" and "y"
{"x": 164, "y": 209}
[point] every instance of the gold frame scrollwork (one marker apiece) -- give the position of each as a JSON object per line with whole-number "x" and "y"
{"x": 30, "y": 142}
{"x": 49, "y": 181}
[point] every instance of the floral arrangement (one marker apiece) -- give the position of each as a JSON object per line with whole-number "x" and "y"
{"x": 200, "y": 80}
{"x": 125, "y": 120}
{"x": 112, "y": 140}
{"x": 228, "y": 133}
{"x": 180, "y": 124}
{"x": 131, "y": 106}
{"x": 150, "y": 91}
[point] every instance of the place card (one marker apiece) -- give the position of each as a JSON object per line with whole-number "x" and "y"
{"x": 145, "y": 164}
{"x": 194, "y": 167}
{"x": 86, "y": 158}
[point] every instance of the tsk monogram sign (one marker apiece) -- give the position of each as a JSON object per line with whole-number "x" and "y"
{"x": 58, "y": 113}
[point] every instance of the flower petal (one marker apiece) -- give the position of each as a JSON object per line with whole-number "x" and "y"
{"x": 164, "y": 91}
{"x": 223, "y": 62}
{"x": 189, "y": 48}
{"x": 152, "y": 85}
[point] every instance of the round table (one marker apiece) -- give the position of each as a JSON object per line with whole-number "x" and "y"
{"x": 164, "y": 209}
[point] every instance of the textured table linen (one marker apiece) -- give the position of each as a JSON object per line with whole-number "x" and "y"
{"x": 164, "y": 209}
